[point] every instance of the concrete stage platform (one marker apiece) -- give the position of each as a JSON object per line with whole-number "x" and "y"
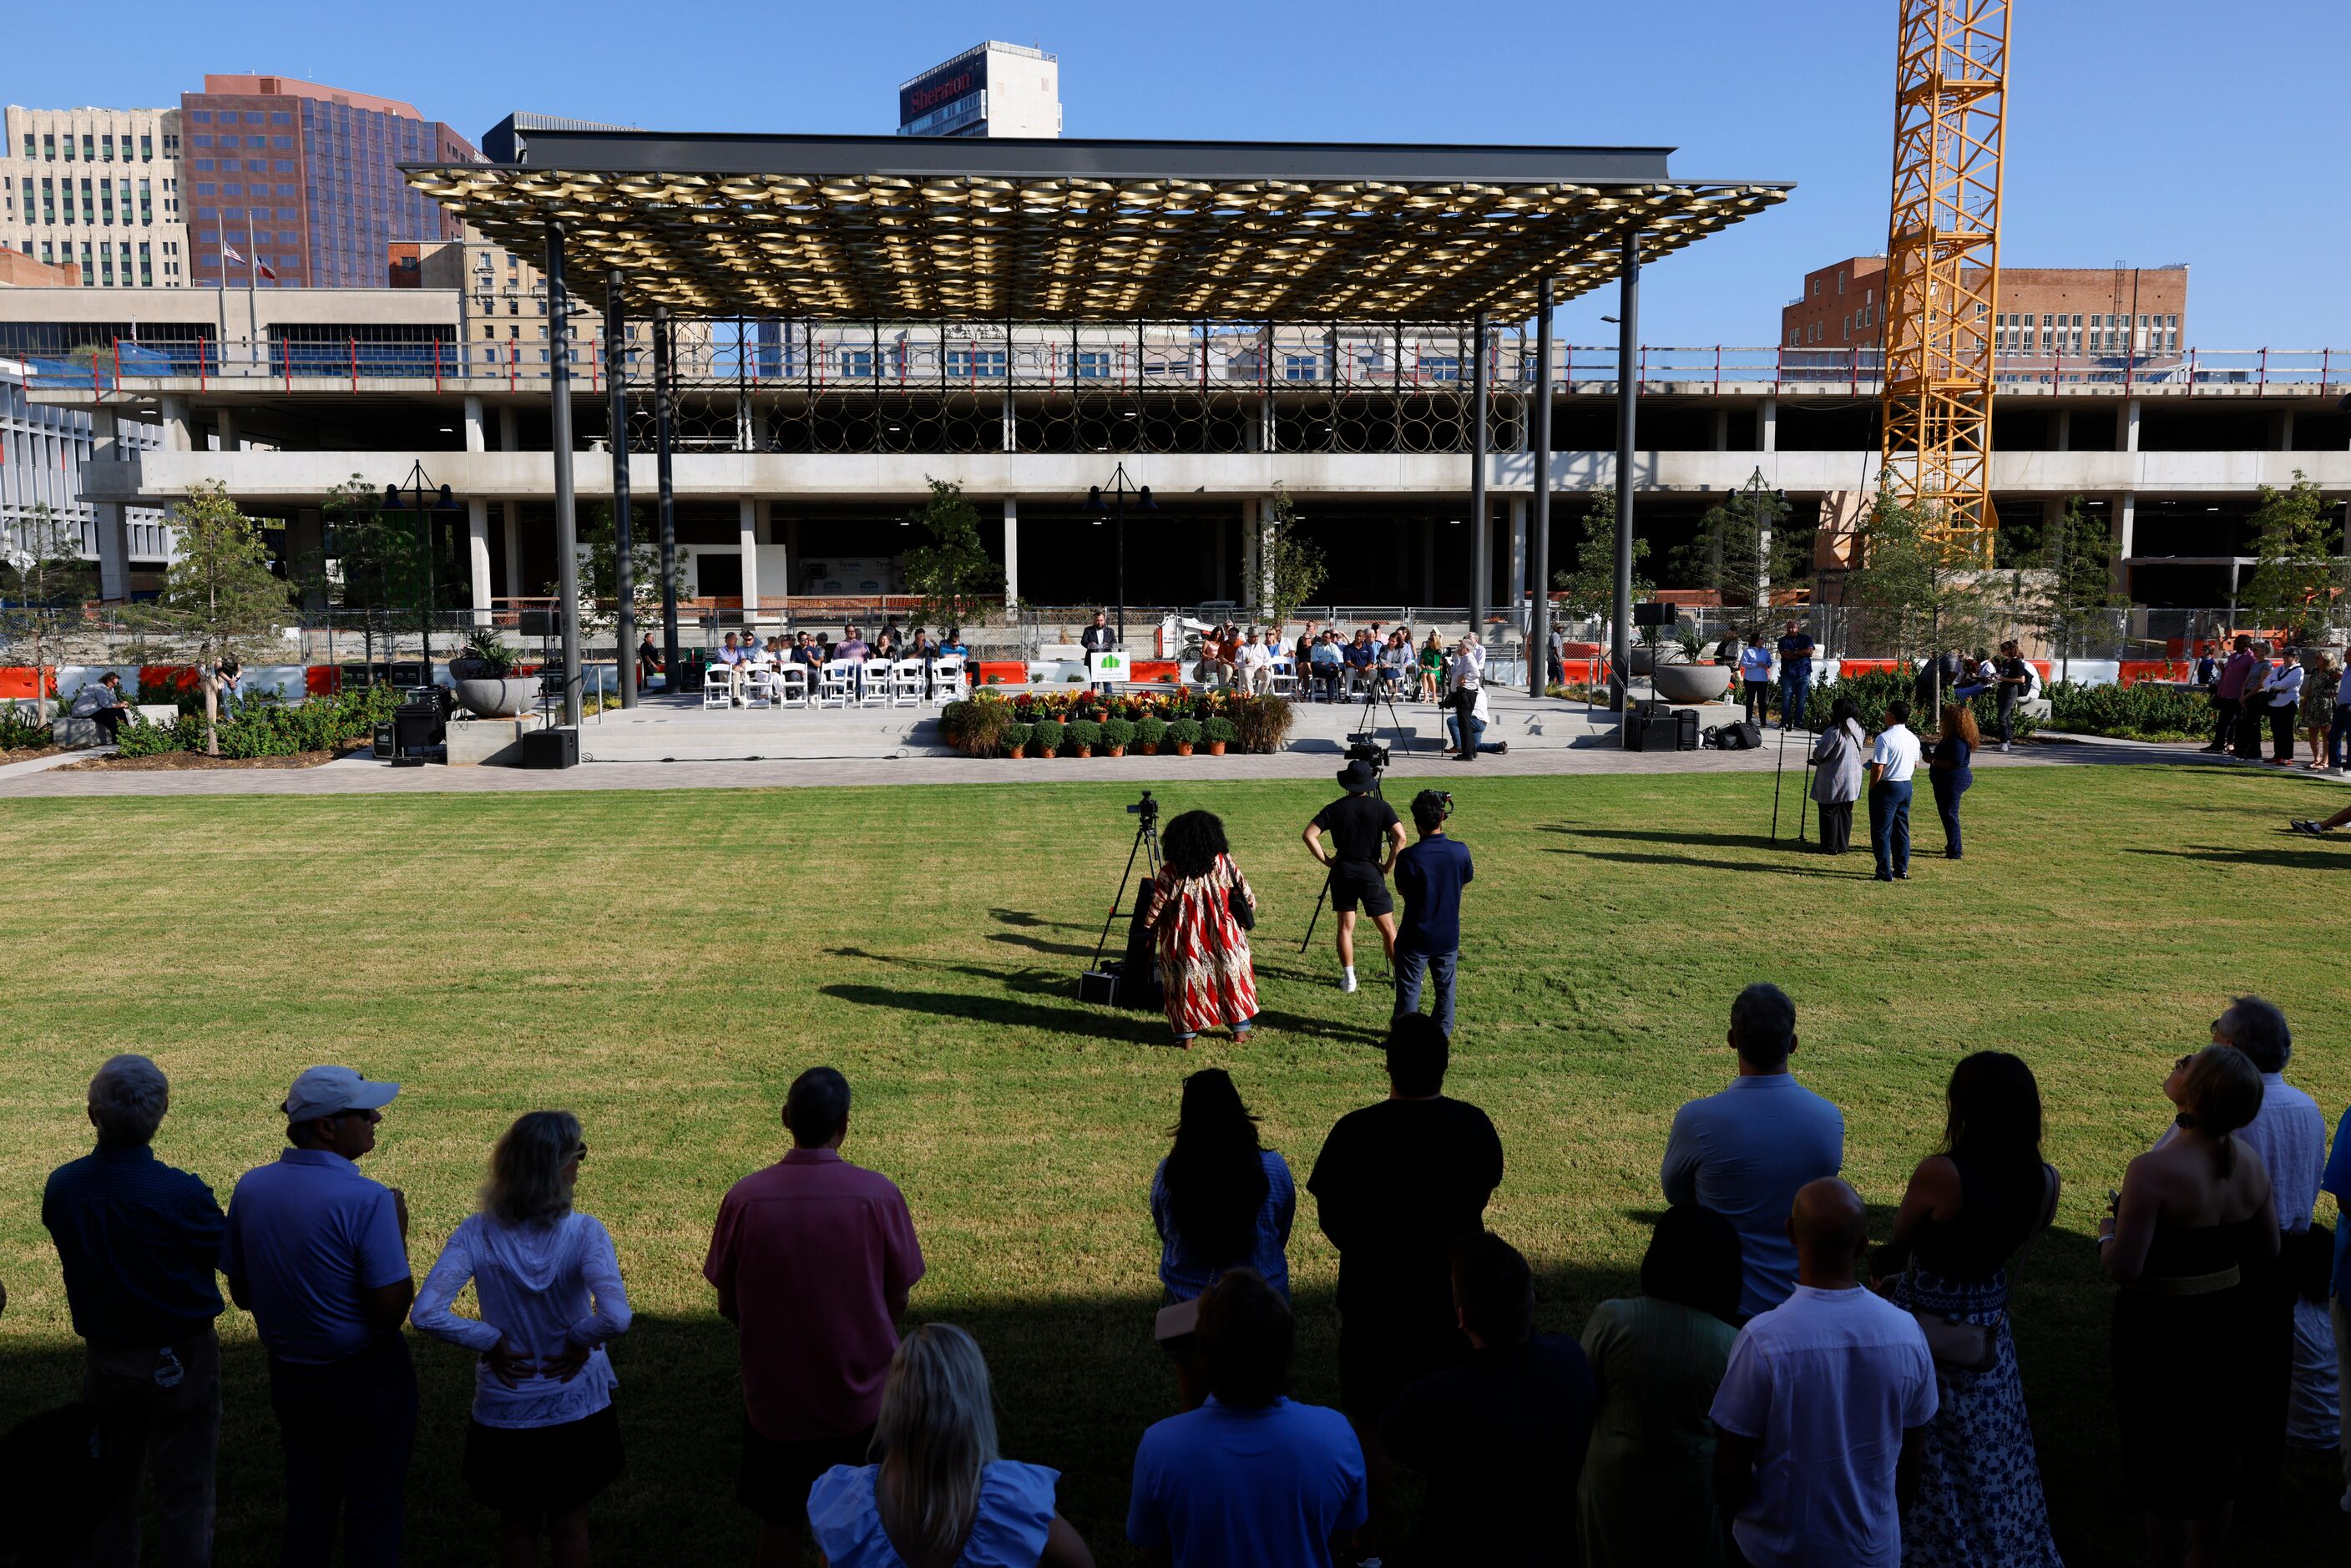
{"x": 679, "y": 729}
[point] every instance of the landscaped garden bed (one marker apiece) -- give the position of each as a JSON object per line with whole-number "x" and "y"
{"x": 1181, "y": 723}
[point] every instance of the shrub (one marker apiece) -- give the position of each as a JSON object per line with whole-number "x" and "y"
{"x": 976, "y": 726}
{"x": 1219, "y": 729}
{"x": 1046, "y": 738}
{"x": 20, "y": 728}
{"x": 1118, "y": 732}
{"x": 137, "y": 738}
{"x": 1080, "y": 735}
{"x": 1151, "y": 730}
{"x": 1184, "y": 732}
{"x": 1015, "y": 736}
{"x": 2131, "y": 713}
{"x": 1263, "y": 722}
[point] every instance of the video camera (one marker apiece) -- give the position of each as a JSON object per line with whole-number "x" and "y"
{"x": 1147, "y": 808}
{"x": 1443, "y": 799}
{"x": 1362, "y": 748}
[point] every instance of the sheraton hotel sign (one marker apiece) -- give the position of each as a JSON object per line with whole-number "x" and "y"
{"x": 953, "y": 81}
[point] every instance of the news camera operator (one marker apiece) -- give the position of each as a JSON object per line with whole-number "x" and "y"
{"x": 1365, "y": 838}
{"x": 1430, "y": 875}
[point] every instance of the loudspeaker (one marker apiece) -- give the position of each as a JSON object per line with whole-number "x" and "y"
{"x": 387, "y": 742}
{"x": 551, "y": 748}
{"x": 1686, "y": 729}
{"x": 1100, "y": 986}
{"x": 1649, "y": 612}
{"x": 1657, "y": 734}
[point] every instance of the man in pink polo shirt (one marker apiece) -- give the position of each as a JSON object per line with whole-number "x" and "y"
{"x": 812, "y": 1259}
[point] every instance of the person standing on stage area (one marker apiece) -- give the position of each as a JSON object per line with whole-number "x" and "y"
{"x": 1755, "y": 678}
{"x": 1891, "y": 762}
{"x": 1365, "y": 838}
{"x": 1466, "y": 678}
{"x": 1431, "y": 875}
{"x": 1795, "y": 674}
{"x": 1099, "y": 638}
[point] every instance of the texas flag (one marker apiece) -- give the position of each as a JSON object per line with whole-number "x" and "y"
{"x": 262, "y": 267}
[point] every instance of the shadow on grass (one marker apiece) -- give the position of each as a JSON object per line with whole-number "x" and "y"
{"x": 1024, "y": 918}
{"x": 1039, "y": 945}
{"x": 1670, "y": 836}
{"x": 1812, "y": 867}
{"x": 1135, "y": 1029}
{"x": 2297, "y": 854}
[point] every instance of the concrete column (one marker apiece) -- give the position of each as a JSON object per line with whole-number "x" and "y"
{"x": 2131, "y": 424}
{"x": 1517, "y": 556}
{"x": 305, "y": 543}
{"x": 478, "y": 541}
{"x": 746, "y": 522}
{"x": 1767, "y": 425}
{"x": 2127, "y": 529}
{"x": 476, "y": 438}
{"x": 516, "y": 587}
{"x": 224, "y": 424}
{"x": 2282, "y": 430}
{"x": 113, "y": 521}
{"x": 744, "y": 440}
{"x": 175, "y": 425}
{"x": 509, "y": 429}
{"x": 2064, "y": 430}
{"x": 1722, "y": 430}
{"x": 1011, "y": 549}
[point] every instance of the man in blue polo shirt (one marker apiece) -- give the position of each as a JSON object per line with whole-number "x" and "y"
{"x": 1795, "y": 674}
{"x": 318, "y": 1255}
{"x": 1430, "y": 876}
{"x": 138, "y": 1240}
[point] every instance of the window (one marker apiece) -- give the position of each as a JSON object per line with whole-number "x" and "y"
{"x": 199, "y": 141}
{"x": 106, "y": 147}
{"x": 1440, "y": 368}
{"x": 200, "y": 117}
{"x": 70, "y": 151}
{"x": 857, "y": 362}
{"x": 204, "y": 165}
{"x": 146, "y": 149}
{"x": 49, "y": 148}
{"x": 146, "y": 266}
{"x": 282, "y": 165}
{"x": 281, "y": 117}
{"x": 88, "y": 151}
{"x": 1840, "y": 283}
{"x": 972, "y": 364}
{"x": 228, "y": 117}
{"x": 204, "y": 188}
{"x": 1301, "y": 367}
{"x": 1091, "y": 365}
{"x": 28, "y": 147}
{"x": 282, "y": 143}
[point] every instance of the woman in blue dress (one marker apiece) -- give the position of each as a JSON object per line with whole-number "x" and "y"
{"x": 1951, "y": 771}
{"x": 938, "y": 1496}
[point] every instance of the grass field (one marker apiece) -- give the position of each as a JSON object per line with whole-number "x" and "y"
{"x": 664, "y": 963}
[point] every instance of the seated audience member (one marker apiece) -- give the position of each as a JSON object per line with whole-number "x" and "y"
{"x": 937, "y": 1495}
{"x": 1397, "y": 1184}
{"x": 1648, "y": 1492}
{"x": 1498, "y": 1437}
{"x": 1395, "y": 660}
{"x": 2194, "y": 1217}
{"x": 1256, "y": 662}
{"x": 649, "y": 662}
{"x": 736, "y": 659}
{"x": 318, "y": 1255}
{"x": 1361, "y": 655}
{"x": 138, "y": 1240}
{"x": 100, "y": 702}
{"x": 809, "y": 655}
{"x": 1304, "y": 651}
{"x": 851, "y": 648}
{"x": 953, "y": 645}
{"x": 543, "y": 1438}
{"x": 1824, "y": 1406}
{"x": 1249, "y": 1477}
{"x": 1744, "y": 1152}
{"x": 812, "y": 1259}
{"x": 888, "y": 645}
{"x": 1216, "y": 665}
{"x": 1219, "y": 1200}
{"x": 1330, "y": 667}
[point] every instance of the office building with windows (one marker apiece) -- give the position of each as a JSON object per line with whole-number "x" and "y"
{"x": 303, "y": 181}
{"x": 2044, "y": 313}
{"x": 96, "y": 190}
{"x": 43, "y": 451}
{"x": 989, "y": 89}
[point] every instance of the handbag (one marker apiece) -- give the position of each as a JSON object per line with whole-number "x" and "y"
{"x": 1237, "y": 906}
{"x": 1963, "y": 1346}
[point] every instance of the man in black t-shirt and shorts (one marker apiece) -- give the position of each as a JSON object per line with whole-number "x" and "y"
{"x": 1365, "y": 837}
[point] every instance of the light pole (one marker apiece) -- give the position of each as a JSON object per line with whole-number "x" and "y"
{"x": 417, "y": 482}
{"x": 1119, "y": 496}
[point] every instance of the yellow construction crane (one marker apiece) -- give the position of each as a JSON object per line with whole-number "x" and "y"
{"x": 1942, "y": 262}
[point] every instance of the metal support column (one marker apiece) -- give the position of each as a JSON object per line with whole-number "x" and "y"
{"x": 1628, "y": 393}
{"x": 1538, "y": 526}
{"x": 1481, "y": 527}
{"x": 566, "y": 523}
{"x": 665, "y": 394}
{"x": 624, "y": 575}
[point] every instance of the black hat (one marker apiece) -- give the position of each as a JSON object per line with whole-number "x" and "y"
{"x": 1357, "y": 777}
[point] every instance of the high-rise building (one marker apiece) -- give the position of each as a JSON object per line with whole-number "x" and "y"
{"x": 308, "y": 177}
{"x": 2043, "y": 312}
{"x": 96, "y": 189}
{"x": 989, "y": 89}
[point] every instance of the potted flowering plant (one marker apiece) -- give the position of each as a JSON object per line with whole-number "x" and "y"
{"x": 1046, "y": 736}
{"x": 1079, "y": 737}
{"x": 1150, "y": 734}
{"x": 1184, "y": 734}
{"x": 1117, "y": 734}
{"x": 1219, "y": 732}
{"x": 1015, "y": 736}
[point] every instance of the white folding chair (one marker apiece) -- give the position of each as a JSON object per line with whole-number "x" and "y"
{"x": 906, "y": 682}
{"x": 717, "y": 687}
{"x": 946, "y": 679}
{"x": 758, "y": 687}
{"x": 1285, "y": 676}
{"x": 873, "y": 685}
{"x": 839, "y": 684}
{"x": 792, "y": 686}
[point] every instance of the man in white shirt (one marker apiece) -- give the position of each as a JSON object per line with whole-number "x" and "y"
{"x": 1822, "y": 1411}
{"x": 2281, "y": 696}
{"x": 1891, "y": 762}
{"x": 1465, "y": 678}
{"x": 1257, "y": 664}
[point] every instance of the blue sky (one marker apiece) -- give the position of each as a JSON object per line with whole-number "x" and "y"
{"x": 2141, "y": 131}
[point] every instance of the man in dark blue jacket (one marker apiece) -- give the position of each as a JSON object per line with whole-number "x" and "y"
{"x": 1430, "y": 875}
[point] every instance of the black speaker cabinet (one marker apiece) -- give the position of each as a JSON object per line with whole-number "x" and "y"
{"x": 551, "y": 748}
{"x": 1649, "y": 612}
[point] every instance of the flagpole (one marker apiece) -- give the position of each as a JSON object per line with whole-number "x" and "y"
{"x": 252, "y": 289}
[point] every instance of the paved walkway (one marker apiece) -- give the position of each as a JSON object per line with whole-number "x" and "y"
{"x": 365, "y": 776}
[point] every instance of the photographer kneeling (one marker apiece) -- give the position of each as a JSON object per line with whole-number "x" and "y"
{"x": 1430, "y": 875}
{"x": 1365, "y": 837}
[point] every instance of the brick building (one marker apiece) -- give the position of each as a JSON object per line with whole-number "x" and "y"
{"x": 2043, "y": 312}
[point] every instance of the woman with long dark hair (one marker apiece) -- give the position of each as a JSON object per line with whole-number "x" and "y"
{"x": 1220, "y": 1199}
{"x": 1837, "y": 757}
{"x": 1951, "y": 773}
{"x": 543, "y": 1439}
{"x": 1971, "y": 1206}
{"x": 1647, "y": 1490}
{"x": 2193, "y": 1211}
{"x": 1204, "y": 953}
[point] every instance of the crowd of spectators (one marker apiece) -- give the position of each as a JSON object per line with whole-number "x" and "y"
{"x": 739, "y": 654}
{"x": 1775, "y": 1393}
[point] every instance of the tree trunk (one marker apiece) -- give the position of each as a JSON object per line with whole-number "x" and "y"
{"x": 212, "y": 715}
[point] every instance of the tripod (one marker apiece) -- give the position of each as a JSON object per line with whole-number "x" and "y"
{"x": 1804, "y": 800}
{"x": 1146, "y": 845}
{"x": 1378, "y": 693}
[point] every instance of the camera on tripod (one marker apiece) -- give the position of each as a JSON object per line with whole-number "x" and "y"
{"x": 1362, "y": 748}
{"x": 1147, "y": 808}
{"x": 1443, "y": 799}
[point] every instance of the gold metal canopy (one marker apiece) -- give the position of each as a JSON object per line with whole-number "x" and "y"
{"x": 792, "y": 227}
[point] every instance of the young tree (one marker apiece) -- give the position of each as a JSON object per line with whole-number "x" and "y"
{"x": 599, "y": 573}
{"x": 221, "y": 595}
{"x": 1742, "y": 548}
{"x": 41, "y": 569}
{"x": 1293, "y": 566}
{"x": 379, "y": 561}
{"x": 952, "y": 573}
{"x": 2073, "y": 585}
{"x": 1589, "y": 585}
{"x": 2299, "y": 565}
{"x": 1922, "y": 584}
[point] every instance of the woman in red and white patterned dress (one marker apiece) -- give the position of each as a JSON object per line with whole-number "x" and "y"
{"x": 1204, "y": 954}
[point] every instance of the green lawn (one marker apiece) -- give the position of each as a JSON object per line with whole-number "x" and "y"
{"x": 664, "y": 963}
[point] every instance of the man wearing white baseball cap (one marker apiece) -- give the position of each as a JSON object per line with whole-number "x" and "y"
{"x": 319, "y": 1254}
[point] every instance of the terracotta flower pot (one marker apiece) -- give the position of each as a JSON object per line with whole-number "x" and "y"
{"x": 1016, "y": 751}
{"x": 1182, "y": 749}
{"x": 1145, "y": 749}
{"x": 1081, "y": 751}
{"x": 1215, "y": 748}
{"x": 1114, "y": 751}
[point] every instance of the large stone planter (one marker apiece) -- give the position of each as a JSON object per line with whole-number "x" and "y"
{"x": 1690, "y": 683}
{"x": 494, "y": 697}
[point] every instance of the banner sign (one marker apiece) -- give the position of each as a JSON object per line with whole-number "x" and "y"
{"x": 1107, "y": 665}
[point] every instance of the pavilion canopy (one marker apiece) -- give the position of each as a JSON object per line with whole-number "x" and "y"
{"x": 856, "y": 228}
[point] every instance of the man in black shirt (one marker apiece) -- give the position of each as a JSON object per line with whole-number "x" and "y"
{"x": 1365, "y": 837}
{"x": 1504, "y": 1435}
{"x": 1397, "y": 1183}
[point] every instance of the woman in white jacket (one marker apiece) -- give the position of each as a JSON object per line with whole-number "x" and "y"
{"x": 543, "y": 1439}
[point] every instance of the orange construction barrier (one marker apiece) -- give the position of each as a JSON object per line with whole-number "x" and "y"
{"x": 25, "y": 681}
